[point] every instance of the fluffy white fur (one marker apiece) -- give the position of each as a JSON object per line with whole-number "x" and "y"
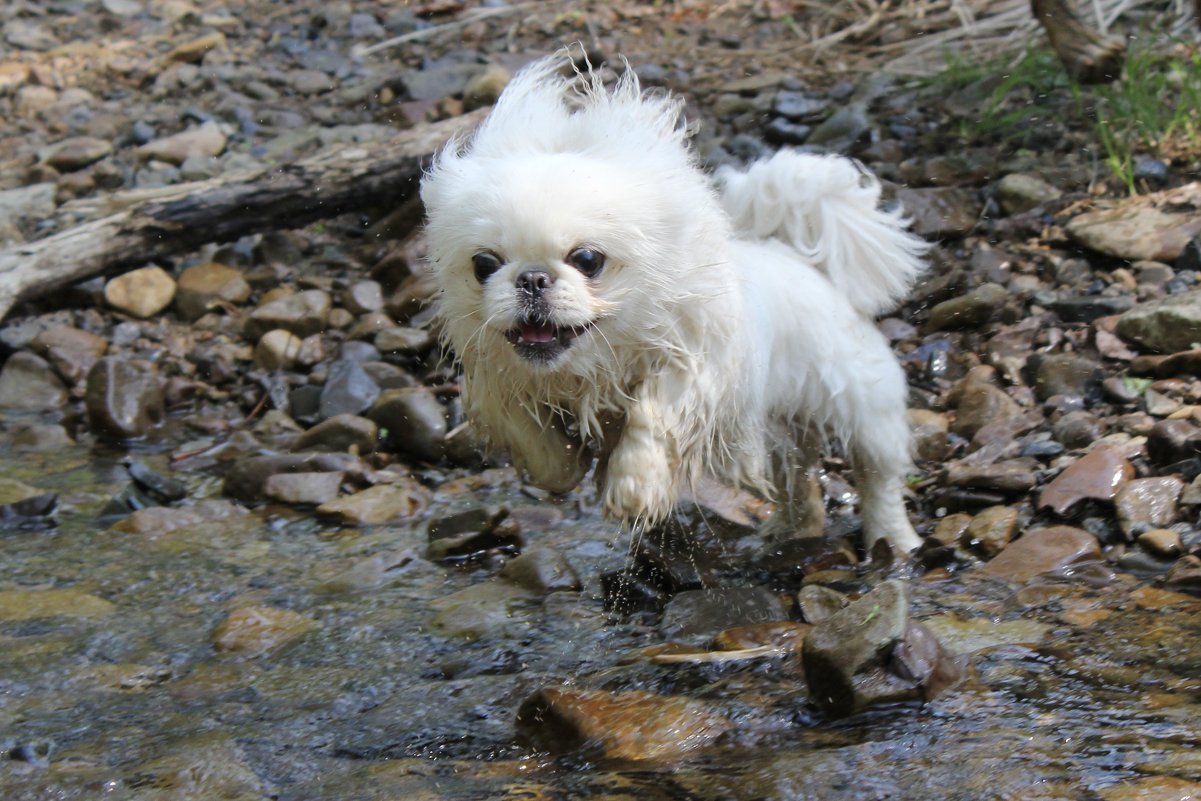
{"x": 729, "y": 331}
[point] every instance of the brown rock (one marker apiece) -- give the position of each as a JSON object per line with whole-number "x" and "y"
{"x": 632, "y": 725}
{"x": 256, "y": 630}
{"x": 1015, "y": 475}
{"x": 341, "y": 432}
{"x": 77, "y": 152}
{"x": 277, "y": 350}
{"x": 941, "y": 212}
{"x": 204, "y": 140}
{"x": 1161, "y": 542}
{"x": 34, "y": 604}
{"x": 303, "y": 313}
{"x": 1153, "y": 227}
{"x": 1098, "y": 475}
{"x": 1043, "y": 550}
{"x": 951, "y": 528}
{"x": 71, "y": 351}
{"x": 542, "y": 570}
{"x": 929, "y": 429}
{"x": 979, "y": 404}
{"x": 195, "y": 50}
{"x": 383, "y": 503}
{"x": 1152, "y": 788}
{"x": 990, "y": 531}
{"x": 142, "y": 293}
{"x": 203, "y": 286}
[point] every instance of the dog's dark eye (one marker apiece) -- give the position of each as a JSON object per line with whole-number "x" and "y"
{"x": 485, "y": 264}
{"x": 588, "y": 261}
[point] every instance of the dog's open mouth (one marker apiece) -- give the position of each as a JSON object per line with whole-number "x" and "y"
{"x": 541, "y": 340}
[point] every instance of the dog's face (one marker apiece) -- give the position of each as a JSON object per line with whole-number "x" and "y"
{"x": 539, "y": 257}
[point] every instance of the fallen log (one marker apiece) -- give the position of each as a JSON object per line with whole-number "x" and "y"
{"x": 140, "y": 226}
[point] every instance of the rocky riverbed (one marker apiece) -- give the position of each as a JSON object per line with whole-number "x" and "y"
{"x": 249, "y": 549}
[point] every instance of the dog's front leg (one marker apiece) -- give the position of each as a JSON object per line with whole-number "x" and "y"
{"x": 640, "y": 482}
{"x": 548, "y": 457}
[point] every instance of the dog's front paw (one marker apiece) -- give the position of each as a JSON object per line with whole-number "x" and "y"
{"x": 640, "y": 484}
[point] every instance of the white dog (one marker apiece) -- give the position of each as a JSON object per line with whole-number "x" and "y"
{"x": 607, "y": 301}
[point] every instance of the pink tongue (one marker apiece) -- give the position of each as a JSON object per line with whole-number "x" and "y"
{"x": 537, "y": 333}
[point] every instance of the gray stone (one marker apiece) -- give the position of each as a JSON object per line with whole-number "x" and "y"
{"x": 1020, "y": 192}
{"x": 27, "y": 204}
{"x": 1147, "y": 503}
{"x": 1167, "y": 325}
{"x": 842, "y": 130}
{"x": 940, "y": 212}
{"x": 77, "y": 152}
{"x": 28, "y": 382}
{"x": 348, "y": 390}
{"x": 844, "y": 654}
{"x": 703, "y": 613}
{"x": 246, "y": 477}
{"x": 310, "y": 489}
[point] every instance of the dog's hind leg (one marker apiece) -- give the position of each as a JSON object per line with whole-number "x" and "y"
{"x": 880, "y": 457}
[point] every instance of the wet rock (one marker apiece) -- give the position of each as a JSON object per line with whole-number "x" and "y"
{"x": 343, "y": 432}
{"x": 929, "y": 430}
{"x": 1098, "y": 475}
{"x": 415, "y": 422}
{"x": 1162, "y": 542}
{"x": 543, "y": 570}
{"x": 310, "y": 489}
{"x": 1158, "y": 404}
{"x": 1015, "y": 475}
{"x": 786, "y": 637}
{"x": 155, "y": 521}
{"x": 383, "y": 503}
{"x": 363, "y": 297}
{"x": 978, "y": 404}
{"x": 968, "y": 311}
{"x": 940, "y": 212}
{"x": 951, "y": 528}
{"x": 492, "y": 609}
{"x": 1067, "y": 374}
{"x": 990, "y": 531}
{"x": 348, "y": 390}
{"x": 304, "y": 313}
{"x": 1152, "y": 788}
{"x": 782, "y": 132}
{"x": 27, "y": 382}
{"x": 1185, "y": 576}
{"x": 871, "y": 653}
{"x": 258, "y": 630}
{"x": 1077, "y": 429}
{"x": 1147, "y": 503}
{"x": 632, "y": 725}
{"x": 71, "y": 351}
{"x": 1087, "y": 308}
{"x": 142, "y": 293}
{"x": 203, "y": 287}
{"x": 1154, "y": 227}
{"x": 403, "y": 341}
{"x": 483, "y": 89}
{"x": 204, "y": 140}
{"x": 123, "y": 398}
{"x": 1167, "y": 325}
{"x": 209, "y": 765}
{"x": 818, "y": 603}
{"x": 705, "y": 612}
{"x": 473, "y": 532}
{"x": 40, "y": 438}
{"x": 277, "y": 350}
{"x": 977, "y": 634}
{"x": 798, "y": 106}
{"x": 35, "y": 604}
{"x": 1019, "y": 192}
{"x": 77, "y": 152}
{"x": 245, "y": 478}
{"x": 1043, "y": 550}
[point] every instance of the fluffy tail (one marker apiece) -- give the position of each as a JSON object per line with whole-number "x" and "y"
{"x": 826, "y": 207}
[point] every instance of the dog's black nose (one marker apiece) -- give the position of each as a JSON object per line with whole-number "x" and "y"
{"x": 534, "y": 282}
